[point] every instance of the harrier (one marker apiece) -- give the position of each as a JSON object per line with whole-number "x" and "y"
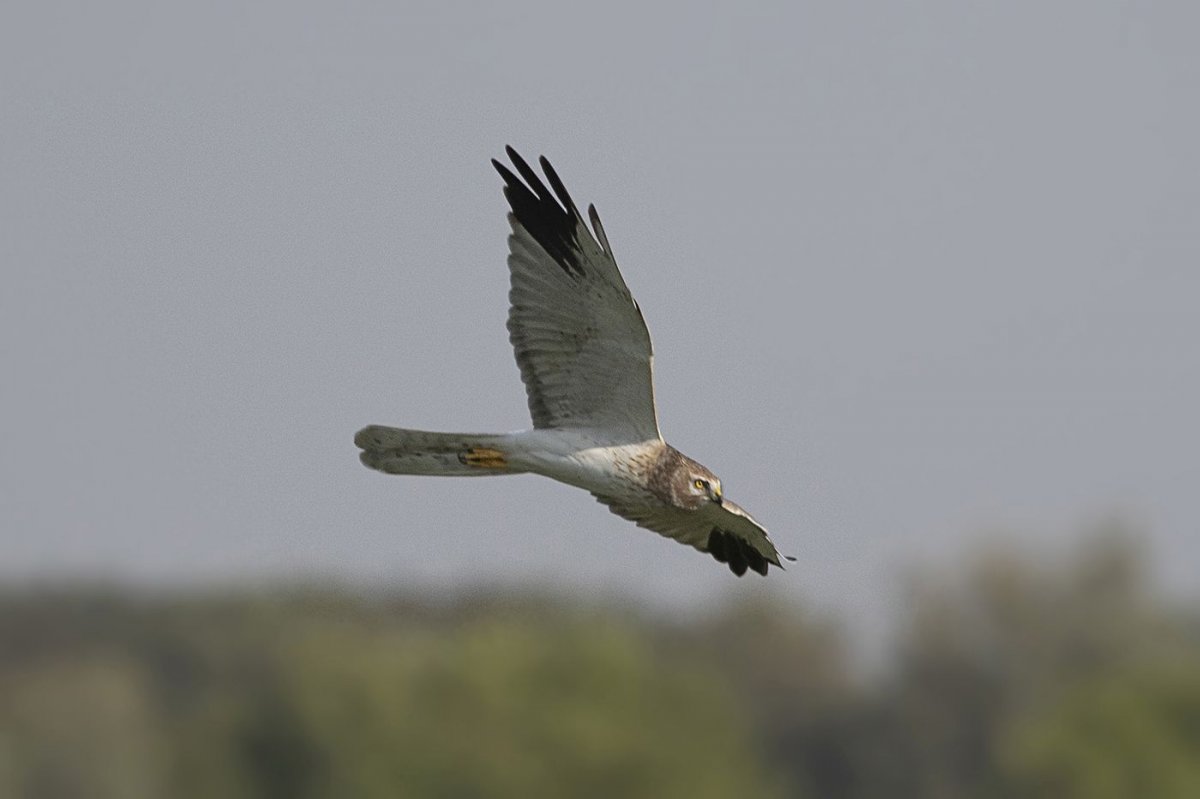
{"x": 585, "y": 358}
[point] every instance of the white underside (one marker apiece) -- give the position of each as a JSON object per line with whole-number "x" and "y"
{"x": 577, "y": 457}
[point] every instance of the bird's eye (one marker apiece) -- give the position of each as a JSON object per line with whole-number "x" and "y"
{"x": 698, "y": 484}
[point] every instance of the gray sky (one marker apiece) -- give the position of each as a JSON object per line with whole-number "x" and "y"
{"x": 917, "y": 274}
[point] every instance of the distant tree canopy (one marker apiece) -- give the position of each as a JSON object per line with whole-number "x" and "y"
{"x": 1013, "y": 677}
{"x": 1133, "y": 734}
{"x": 335, "y": 697}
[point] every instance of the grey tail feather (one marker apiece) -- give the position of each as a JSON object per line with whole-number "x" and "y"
{"x": 395, "y": 450}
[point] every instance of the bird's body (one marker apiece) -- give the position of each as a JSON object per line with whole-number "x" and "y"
{"x": 576, "y": 457}
{"x": 586, "y": 361}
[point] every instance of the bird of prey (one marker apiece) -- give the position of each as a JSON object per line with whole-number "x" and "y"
{"x": 586, "y": 361}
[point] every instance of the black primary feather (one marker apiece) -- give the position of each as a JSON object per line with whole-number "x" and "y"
{"x": 738, "y": 554}
{"x": 554, "y": 226}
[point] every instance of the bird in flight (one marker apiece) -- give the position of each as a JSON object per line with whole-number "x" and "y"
{"x": 585, "y": 358}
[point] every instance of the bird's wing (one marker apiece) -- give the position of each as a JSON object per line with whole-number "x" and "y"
{"x": 580, "y": 340}
{"x": 724, "y": 531}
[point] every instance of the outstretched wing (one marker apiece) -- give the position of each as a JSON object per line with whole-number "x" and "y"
{"x": 580, "y": 340}
{"x": 724, "y": 531}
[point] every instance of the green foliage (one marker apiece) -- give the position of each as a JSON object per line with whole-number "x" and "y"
{"x": 1136, "y": 734}
{"x": 994, "y": 643}
{"x": 1012, "y": 676}
{"x": 78, "y": 729}
{"x": 514, "y": 707}
{"x": 331, "y": 697}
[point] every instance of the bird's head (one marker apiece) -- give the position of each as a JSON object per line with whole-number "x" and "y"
{"x": 704, "y": 485}
{"x": 680, "y": 482}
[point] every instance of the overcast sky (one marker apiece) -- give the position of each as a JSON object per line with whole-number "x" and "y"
{"x": 918, "y": 275}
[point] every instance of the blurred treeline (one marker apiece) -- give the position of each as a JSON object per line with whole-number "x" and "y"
{"x": 1009, "y": 675}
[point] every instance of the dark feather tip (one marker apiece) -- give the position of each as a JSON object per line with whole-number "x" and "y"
{"x": 553, "y": 223}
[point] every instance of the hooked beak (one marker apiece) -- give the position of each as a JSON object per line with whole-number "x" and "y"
{"x": 715, "y": 496}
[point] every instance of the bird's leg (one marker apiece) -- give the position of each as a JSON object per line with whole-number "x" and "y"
{"x": 484, "y": 458}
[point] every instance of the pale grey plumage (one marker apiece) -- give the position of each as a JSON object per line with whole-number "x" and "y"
{"x": 587, "y": 363}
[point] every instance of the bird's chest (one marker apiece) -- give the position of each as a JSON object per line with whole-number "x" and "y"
{"x": 613, "y": 470}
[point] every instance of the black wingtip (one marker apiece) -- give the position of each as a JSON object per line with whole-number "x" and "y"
{"x": 511, "y": 181}
{"x": 739, "y": 555}
{"x": 560, "y": 190}
{"x": 552, "y": 221}
{"x": 513, "y": 155}
{"x": 505, "y": 175}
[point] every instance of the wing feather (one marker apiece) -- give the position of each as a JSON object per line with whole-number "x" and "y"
{"x": 724, "y": 531}
{"x": 579, "y": 337}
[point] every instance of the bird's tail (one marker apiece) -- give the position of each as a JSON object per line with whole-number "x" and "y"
{"x": 398, "y": 451}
